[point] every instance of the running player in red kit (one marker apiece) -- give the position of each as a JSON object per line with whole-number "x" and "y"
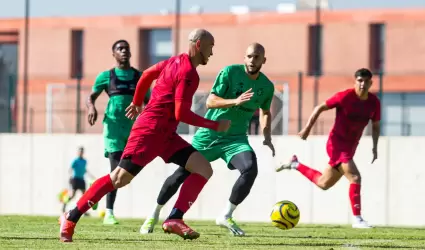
{"x": 354, "y": 108}
{"x": 154, "y": 134}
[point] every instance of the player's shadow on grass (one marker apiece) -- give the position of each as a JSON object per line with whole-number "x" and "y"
{"x": 96, "y": 240}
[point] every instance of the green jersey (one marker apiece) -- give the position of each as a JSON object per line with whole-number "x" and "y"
{"x": 120, "y": 85}
{"x": 230, "y": 83}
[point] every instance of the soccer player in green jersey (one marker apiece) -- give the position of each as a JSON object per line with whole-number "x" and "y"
{"x": 238, "y": 91}
{"x": 119, "y": 83}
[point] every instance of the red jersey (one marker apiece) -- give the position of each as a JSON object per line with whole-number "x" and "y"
{"x": 171, "y": 98}
{"x": 352, "y": 114}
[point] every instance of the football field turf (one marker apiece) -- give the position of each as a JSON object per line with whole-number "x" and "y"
{"x": 25, "y": 232}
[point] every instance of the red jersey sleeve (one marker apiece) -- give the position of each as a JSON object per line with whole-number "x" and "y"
{"x": 185, "y": 89}
{"x": 335, "y": 100}
{"x": 145, "y": 81}
{"x": 376, "y": 117}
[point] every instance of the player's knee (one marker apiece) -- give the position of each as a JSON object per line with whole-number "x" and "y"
{"x": 199, "y": 165}
{"x": 355, "y": 178}
{"x": 324, "y": 184}
{"x": 251, "y": 170}
{"x": 120, "y": 177}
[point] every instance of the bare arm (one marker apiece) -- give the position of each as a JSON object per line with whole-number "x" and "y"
{"x": 376, "y": 131}
{"x": 315, "y": 115}
{"x": 216, "y": 102}
{"x": 266, "y": 123}
{"x": 92, "y": 99}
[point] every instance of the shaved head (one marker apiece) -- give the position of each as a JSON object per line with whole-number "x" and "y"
{"x": 201, "y": 43}
{"x": 257, "y": 48}
{"x": 199, "y": 35}
{"x": 254, "y": 58}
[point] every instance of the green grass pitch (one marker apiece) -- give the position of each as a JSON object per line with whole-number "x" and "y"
{"x": 29, "y": 232}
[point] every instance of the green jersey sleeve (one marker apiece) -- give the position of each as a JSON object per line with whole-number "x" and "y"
{"x": 101, "y": 82}
{"x": 268, "y": 101}
{"x": 221, "y": 84}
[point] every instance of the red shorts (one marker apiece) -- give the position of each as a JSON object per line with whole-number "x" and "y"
{"x": 340, "y": 152}
{"x": 145, "y": 144}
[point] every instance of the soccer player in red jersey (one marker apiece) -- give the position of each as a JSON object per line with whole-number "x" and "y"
{"x": 354, "y": 108}
{"x": 154, "y": 134}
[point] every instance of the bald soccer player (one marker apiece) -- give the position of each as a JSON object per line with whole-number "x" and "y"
{"x": 239, "y": 90}
{"x": 154, "y": 135}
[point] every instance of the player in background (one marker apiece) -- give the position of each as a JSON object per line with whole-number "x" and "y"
{"x": 239, "y": 90}
{"x": 154, "y": 134}
{"x": 119, "y": 83}
{"x": 77, "y": 171}
{"x": 354, "y": 108}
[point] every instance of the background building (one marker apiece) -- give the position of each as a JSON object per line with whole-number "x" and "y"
{"x": 313, "y": 53}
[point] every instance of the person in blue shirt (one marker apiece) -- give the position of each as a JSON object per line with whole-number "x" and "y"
{"x": 77, "y": 171}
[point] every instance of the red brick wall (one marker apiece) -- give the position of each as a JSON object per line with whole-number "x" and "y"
{"x": 345, "y": 48}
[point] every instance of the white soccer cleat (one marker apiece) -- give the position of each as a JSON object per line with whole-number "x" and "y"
{"x": 293, "y": 164}
{"x": 360, "y": 223}
{"x": 230, "y": 224}
{"x": 148, "y": 226}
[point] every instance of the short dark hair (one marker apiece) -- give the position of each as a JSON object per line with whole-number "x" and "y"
{"x": 117, "y": 42}
{"x": 363, "y": 72}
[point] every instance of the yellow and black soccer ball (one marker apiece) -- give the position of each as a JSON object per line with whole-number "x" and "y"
{"x": 285, "y": 215}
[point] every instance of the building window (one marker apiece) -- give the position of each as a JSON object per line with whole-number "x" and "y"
{"x": 376, "y": 47}
{"x": 77, "y": 54}
{"x": 155, "y": 45}
{"x": 314, "y": 50}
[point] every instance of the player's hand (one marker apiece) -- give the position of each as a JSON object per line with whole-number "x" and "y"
{"x": 304, "y": 133}
{"x": 223, "y": 125}
{"x": 375, "y": 154}
{"x": 133, "y": 111}
{"x": 244, "y": 97}
{"x": 92, "y": 115}
{"x": 268, "y": 143}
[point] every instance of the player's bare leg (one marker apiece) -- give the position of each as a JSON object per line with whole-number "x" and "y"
{"x": 351, "y": 172}
{"x": 325, "y": 180}
{"x": 201, "y": 171}
{"x": 117, "y": 179}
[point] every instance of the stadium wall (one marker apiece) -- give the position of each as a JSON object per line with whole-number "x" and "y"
{"x": 34, "y": 169}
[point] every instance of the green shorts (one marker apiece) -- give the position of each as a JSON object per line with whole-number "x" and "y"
{"x": 221, "y": 148}
{"x": 115, "y": 135}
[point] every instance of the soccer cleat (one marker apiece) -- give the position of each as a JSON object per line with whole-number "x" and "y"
{"x": 293, "y": 164}
{"x": 230, "y": 224}
{"x": 66, "y": 229}
{"x": 176, "y": 226}
{"x": 148, "y": 226}
{"x": 110, "y": 220}
{"x": 360, "y": 223}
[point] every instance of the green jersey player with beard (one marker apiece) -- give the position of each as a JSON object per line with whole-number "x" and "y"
{"x": 239, "y": 90}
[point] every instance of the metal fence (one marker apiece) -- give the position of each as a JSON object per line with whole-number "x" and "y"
{"x": 403, "y": 108}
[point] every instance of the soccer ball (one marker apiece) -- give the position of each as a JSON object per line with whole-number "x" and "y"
{"x": 285, "y": 215}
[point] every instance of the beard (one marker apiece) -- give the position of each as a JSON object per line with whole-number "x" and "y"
{"x": 252, "y": 71}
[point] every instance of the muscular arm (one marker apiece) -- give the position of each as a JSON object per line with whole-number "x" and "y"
{"x": 216, "y": 102}
{"x": 219, "y": 89}
{"x": 145, "y": 82}
{"x": 266, "y": 123}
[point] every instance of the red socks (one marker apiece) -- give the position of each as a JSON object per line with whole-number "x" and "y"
{"x": 311, "y": 174}
{"x": 100, "y": 188}
{"x": 189, "y": 191}
{"x": 355, "y": 199}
